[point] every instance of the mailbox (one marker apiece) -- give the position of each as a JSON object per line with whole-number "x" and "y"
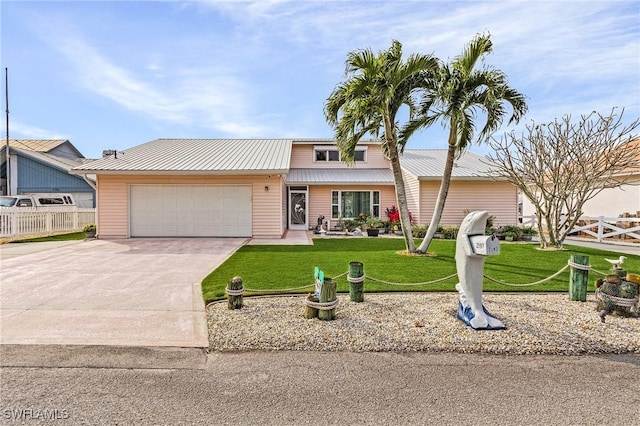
{"x": 484, "y": 245}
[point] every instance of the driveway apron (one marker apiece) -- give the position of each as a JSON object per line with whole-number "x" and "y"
{"x": 134, "y": 292}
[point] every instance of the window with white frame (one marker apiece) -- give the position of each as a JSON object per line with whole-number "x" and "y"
{"x": 349, "y": 204}
{"x": 331, "y": 153}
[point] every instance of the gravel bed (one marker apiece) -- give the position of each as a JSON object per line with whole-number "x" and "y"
{"x": 409, "y": 322}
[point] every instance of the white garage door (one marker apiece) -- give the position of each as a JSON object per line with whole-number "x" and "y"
{"x": 190, "y": 210}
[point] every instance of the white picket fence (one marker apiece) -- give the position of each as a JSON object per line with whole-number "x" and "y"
{"x": 601, "y": 228}
{"x": 17, "y": 222}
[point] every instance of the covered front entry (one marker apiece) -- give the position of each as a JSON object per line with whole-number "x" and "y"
{"x": 298, "y": 208}
{"x": 172, "y": 210}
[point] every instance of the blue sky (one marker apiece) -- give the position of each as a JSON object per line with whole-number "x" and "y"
{"x": 114, "y": 74}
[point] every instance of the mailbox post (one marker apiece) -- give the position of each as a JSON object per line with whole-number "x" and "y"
{"x": 472, "y": 246}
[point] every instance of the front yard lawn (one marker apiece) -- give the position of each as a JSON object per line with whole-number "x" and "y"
{"x": 280, "y": 267}
{"x": 58, "y": 237}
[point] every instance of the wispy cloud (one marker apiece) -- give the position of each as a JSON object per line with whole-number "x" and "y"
{"x": 206, "y": 97}
{"x": 264, "y": 68}
{"x": 27, "y": 131}
{"x": 555, "y": 48}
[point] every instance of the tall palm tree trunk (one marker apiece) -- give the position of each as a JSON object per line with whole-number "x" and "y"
{"x": 442, "y": 194}
{"x": 401, "y": 199}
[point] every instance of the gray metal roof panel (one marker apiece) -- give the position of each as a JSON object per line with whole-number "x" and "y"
{"x": 429, "y": 164}
{"x": 340, "y": 176}
{"x": 198, "y": 155}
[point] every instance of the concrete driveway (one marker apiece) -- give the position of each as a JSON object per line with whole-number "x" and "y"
{"x": 135, "y": 292}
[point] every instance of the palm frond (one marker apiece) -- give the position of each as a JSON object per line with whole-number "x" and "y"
{"x": 478, "y": 47}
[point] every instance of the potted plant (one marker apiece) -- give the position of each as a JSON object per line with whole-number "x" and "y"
{"x": 373, "y": 226}
{"x": 362, "y": 220}
{"x": 509, "y": 235}
{"x": 528, "y": 233}
{"x": 90, "y": 230}
{"x": 351, "y": 224}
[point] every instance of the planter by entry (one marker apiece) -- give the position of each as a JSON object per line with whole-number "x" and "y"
{"x": 373, "y": 232}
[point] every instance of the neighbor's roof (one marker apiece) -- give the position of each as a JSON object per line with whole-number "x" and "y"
{"x": 427, "y": 164}
{"x": 340, "y": 176}
{"x": 197, "y": 156}
{"x": 39, "y": 145}
{"x": 61, "y": 163}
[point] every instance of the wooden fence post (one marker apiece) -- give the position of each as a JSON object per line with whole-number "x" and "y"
{"x": 356, "y": 281}
{"x": 327, "y": 294}
{"x": 234, "y": 293}
{"x": 578, "y": 278}
{"x": 309, "y": 311}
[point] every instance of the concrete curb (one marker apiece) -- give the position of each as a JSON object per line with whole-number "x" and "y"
{"x": 71, "y": 356}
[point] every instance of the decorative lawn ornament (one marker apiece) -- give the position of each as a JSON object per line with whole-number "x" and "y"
{"x": 617, "y": 262}
{"x": 471, "y": 248}
{"x": 617, "y": 296}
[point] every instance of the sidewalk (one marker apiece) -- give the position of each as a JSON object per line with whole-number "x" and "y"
{"x": 623, "y": 248}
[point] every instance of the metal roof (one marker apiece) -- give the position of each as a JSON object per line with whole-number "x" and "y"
{"x": 428, "y": 164}
{"x": 39, "y": 145}
{"x": 340, "y": 176}
{"x": 197, "y": 156}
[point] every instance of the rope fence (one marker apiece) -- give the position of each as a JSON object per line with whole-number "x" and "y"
{"x": 322, "y": 301}
{"x": 326, "y": 306}
{"x": 240, "y": 292}
{"x": 436, "y": 281}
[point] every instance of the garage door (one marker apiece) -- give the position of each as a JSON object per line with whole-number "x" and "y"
{"x": 190, "y": 210}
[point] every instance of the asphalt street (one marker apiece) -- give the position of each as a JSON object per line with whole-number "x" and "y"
{"x": 298, "y": 388}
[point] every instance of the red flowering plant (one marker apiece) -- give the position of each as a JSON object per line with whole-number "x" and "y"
{"x": 394, "y": 217}
{"x": 393, "y": 214}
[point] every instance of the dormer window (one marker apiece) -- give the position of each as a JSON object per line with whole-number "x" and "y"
{"x": 331, "y": 153}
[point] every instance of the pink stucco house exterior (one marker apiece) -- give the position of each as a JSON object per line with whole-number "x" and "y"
{"x": 260, "y": 188}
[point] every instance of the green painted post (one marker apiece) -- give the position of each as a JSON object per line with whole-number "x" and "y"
{"x": 356, "y": 281}
{"x": 578, "y": 279}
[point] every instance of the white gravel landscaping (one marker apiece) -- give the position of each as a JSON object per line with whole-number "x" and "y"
{"x": 397, "y": 322}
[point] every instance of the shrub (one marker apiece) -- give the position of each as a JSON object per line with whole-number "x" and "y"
{"x": 350, "y": 224}
{"x": 450, "y": 232}
{"x": 374, "y": 222}
{"x": 419, "y": 231}
{"x": 516, "y": 231}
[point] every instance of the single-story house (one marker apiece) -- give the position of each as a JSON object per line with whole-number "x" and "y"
{"x": 38, "y": 165}
{"x": 261, "y": 187}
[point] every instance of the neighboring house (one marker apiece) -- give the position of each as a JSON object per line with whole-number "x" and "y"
{"x": 261, "y": 187}
{"x": 610, "y": 203}
{"x": 43, "y": 166}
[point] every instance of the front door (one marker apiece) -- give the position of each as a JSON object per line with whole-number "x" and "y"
{"x": 298, "y": 209}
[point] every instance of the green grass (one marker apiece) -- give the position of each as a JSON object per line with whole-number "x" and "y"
{"x": 60, "y": 237}
{"x": 281, "y": 267}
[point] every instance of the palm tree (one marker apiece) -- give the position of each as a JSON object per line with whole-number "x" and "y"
{"x": 456, "y": 97}
{"x": 376, "y": 87}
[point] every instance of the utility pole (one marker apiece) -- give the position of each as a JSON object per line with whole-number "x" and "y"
{"x": 7, "y": 154}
